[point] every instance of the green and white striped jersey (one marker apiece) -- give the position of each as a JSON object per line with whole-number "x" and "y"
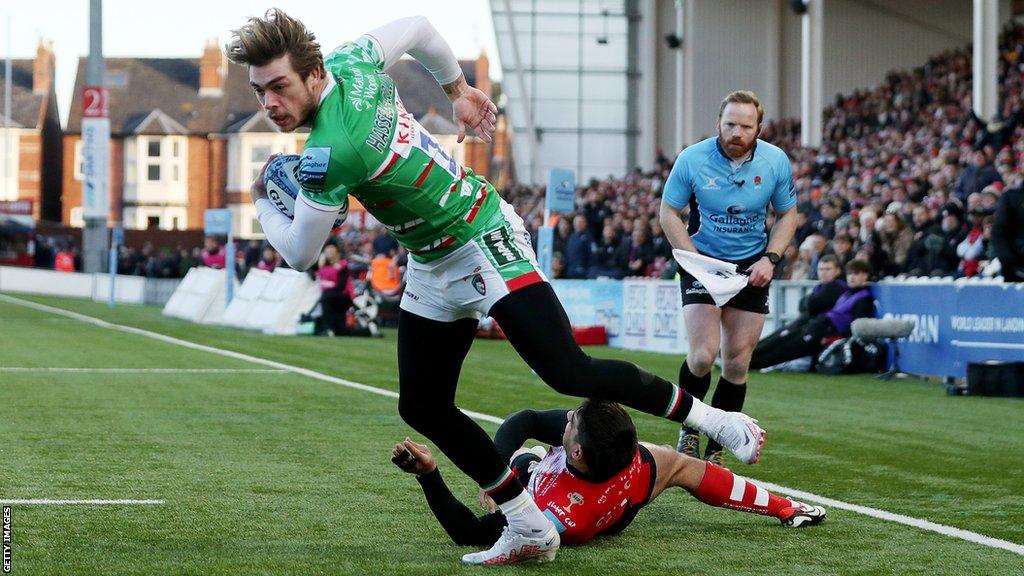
{"x": 365, "y": 143}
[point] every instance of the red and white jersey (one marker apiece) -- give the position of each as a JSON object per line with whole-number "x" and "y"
{"x": 580, "y": 509}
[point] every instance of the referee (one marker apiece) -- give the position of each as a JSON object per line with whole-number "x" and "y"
{"x": 728, "y": 182}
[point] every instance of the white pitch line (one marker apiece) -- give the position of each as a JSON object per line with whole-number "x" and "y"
{"x": 48, "y": 502}
{"x": 144, "y": 370}
{"x": 898, "y": 518}
{"x": 808, "y": 496}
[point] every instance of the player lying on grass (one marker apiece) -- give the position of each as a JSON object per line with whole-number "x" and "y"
{"x": 594, "y": 479}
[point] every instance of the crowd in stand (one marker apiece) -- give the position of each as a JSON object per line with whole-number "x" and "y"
{"x": 908, "y": 179}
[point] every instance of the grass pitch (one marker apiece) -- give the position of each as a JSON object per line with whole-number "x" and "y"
{"x": 273, "y": 472}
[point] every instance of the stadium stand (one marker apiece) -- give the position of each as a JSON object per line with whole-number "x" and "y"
{"x": 908, "y": 179}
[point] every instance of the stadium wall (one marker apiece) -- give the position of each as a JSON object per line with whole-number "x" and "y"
{"x": 128, "y": 289}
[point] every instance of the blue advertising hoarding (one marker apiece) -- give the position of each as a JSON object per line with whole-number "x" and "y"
{"x": 956, "y": 323}
{"x": 592, "y": 303}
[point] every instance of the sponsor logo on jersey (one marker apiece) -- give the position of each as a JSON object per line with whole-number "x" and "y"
{"x": 479, "y": 285}
{"x": 736, "y": 209}
{"x": 712, "y": 183}
{"x": 574, "y": 499}
{"x": 312, "y": 173}
{"x": 501, "y": 248}
{"x": 383, "y": 118}
{"x": 362, "y": 90}
{"x": 734, "y": 223}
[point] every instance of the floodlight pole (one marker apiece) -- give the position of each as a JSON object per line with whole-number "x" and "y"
{"x": 96, "y": 147}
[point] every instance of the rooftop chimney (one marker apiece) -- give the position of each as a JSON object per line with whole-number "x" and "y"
{"x": 483, "y": 79}
{"x": 212, "y": 69}
{"x": 43, "y": 68}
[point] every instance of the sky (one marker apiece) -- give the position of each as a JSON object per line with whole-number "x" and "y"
{"x": 180, "y": 28}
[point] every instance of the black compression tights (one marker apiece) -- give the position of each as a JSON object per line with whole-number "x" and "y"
{"x": 430, "y": 356}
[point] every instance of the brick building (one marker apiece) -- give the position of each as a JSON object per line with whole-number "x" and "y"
{"x": 188, "y": 134}
{"x": 30, "y": 147}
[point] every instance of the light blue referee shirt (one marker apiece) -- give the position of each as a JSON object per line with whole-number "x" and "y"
{"x": 728, "y": 203}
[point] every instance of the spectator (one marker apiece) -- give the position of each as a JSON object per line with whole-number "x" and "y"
{"x": 384, "y": 243}
{"x": 641, "y": 252}
{"x": 894, "y": 239}
{"x": 213, "y": 255}
{"x": 610, "y": 255}
{"x": 252, "y": 254}
{"x": 269, "y": 260}
{"x": 842, "y": 248}
{"x": 336, "y": 292}
{"x": 563, "y": 230}
{"x": 820, "y": 300}
{"x": 826, "y": 223}
{"x": 973, "y": 247}
{"x": 187, "y": 260}
{"x": 64, "y": 260}
{"x": 808, "y": 339}
{"x": 939, "y": 245}
{"x": 977, "y": 176}
{"x": 45, "y": 254}
{"x": 1008, "y": 234}
{"x": 804, "y": 228}
{"x": 386, "y": 274}
{"x": 557, "y": 265}
{"x": 577, "y": 250}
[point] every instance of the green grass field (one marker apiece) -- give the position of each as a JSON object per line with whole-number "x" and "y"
{"x": 274, "y": 472}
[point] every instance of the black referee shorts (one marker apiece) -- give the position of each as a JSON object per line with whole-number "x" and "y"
{"x": 751, "y": 298}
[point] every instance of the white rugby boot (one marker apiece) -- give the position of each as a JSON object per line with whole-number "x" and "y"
{"x": 737, "y": 432}
{"x": 514, "y": 547}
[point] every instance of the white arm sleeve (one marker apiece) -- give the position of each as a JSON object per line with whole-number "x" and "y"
{"x": 417, "y": 36}
{"x": 298, "y": 241}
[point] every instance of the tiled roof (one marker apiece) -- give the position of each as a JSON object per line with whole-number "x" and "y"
{"x": 26, "y": 107}
{"x": 140, "y": 86}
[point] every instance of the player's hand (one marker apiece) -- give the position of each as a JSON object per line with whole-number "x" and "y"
{"x": 259, "y": 188}
{"x": 474, "y": 109}
{"x": 487, "y": 503}
{"x": 413, "y": 457}
{"x": 761, "y": 272}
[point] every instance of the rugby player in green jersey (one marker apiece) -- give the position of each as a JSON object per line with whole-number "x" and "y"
{"x": 469, "y": 251}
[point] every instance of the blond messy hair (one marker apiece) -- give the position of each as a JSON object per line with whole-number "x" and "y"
{"x": 277, "y": 34}
{"x": 743, "y": 97}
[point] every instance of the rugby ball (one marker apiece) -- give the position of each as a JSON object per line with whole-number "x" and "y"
{"x": 282, "y": 184}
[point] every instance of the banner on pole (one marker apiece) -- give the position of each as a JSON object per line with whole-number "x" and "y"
{"x": 95, "y": 153}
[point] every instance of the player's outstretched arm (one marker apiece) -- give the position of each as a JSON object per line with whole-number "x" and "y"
{"x": 416, "y": 36}
{"x": 458, "y": 521}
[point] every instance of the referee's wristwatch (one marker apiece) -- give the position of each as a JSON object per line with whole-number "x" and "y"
{"x": 773, "y": 258}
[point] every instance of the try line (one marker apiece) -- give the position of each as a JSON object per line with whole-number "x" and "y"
{"x": 943, "y": 529}
{"x": 48, "y": 502}
{"x": 143, "y": 370}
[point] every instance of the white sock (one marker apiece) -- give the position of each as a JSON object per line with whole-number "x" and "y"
{"x": 698, "y": 413}
{"x": 524, "y": 516}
